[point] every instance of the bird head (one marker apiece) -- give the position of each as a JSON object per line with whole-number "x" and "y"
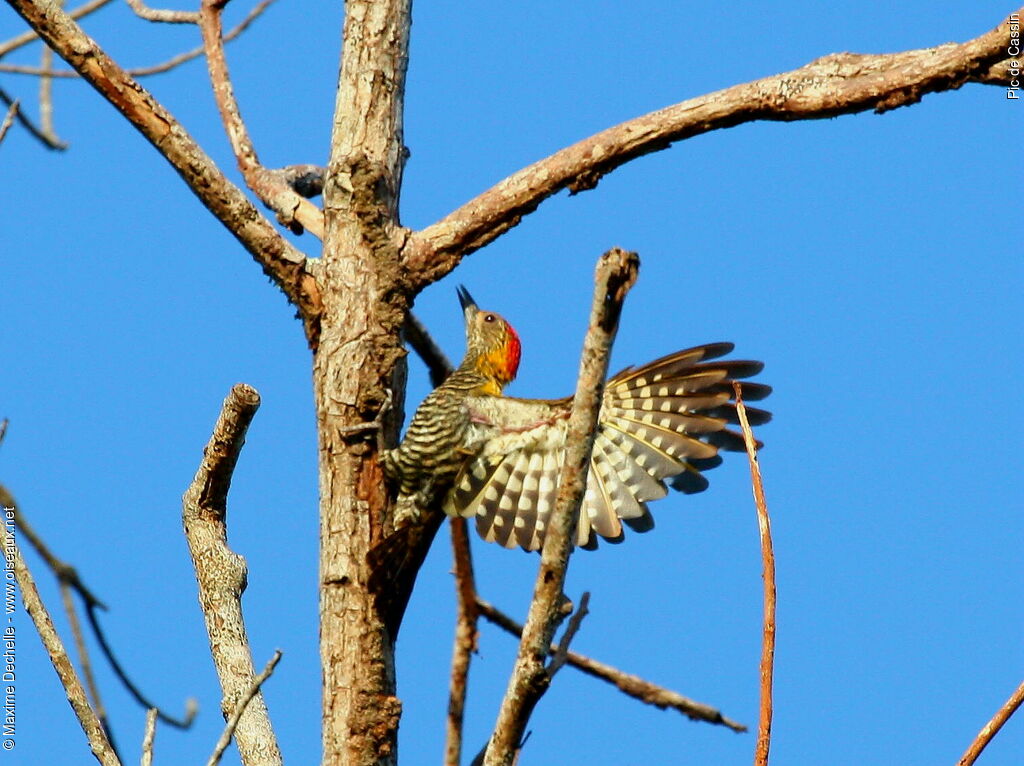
{"x": 492, "y": 346}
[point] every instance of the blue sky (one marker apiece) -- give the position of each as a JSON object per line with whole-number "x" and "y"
{"x": 871, "y": 261}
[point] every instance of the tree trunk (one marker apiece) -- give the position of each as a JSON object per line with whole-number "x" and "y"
{"x": 359, "y": 359}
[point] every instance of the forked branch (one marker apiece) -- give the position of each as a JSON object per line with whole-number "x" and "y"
{"x": 841, "y": 83}
{"x": 55, "y": 647}
{"x": 629, "y": 684}
{"x": 281, "y": 261}
{"x": 293, "y": 210}
{"x": 616, "y": 272}
{"x": 221, "y": 575}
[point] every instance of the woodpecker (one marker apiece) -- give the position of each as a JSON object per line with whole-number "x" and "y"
{"x": 497, "y": 458}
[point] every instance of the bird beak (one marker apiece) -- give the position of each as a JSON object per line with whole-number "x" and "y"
{"x": 465, "y": 299}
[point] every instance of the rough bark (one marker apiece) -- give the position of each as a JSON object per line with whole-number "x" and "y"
{"x": 222, "y": 576}
{"x": 358, "y": 360}
{"x": 840, "y": 83}
{"x": 616, "y": 272}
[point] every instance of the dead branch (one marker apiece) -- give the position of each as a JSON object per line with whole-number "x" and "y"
{"x": 199, "y": 50}
{"x": 143, "y": 11}
{"x": 305, "y": 179}
{"x": 634, "y": 686}
{"x": 561, "y": 655}
{"x": 142, "y": 71}
{"x": 91, "y": 725}
{"x": 67, "y": 576}
{"x": 841, "y": 83}
{"x": 46, "y": 98}
{"x": 12, "y": 110}
{"x": 243, "y": 703}
{"x": 416, "y": 335}
{"x": 989, "y": 730}
{"x": 280, "y": 260}
{"x": 30, "y": 35}
{"x": 616, "y": 272}
{"x": 466, "y": 636}
{"x": 764, "y": 723}
{"x": 147, "y": 738}
{"x": 221, "y": 575}
{"x": 85, "y": 663}
{"x": 37, "y": 133}
{"x": 292, "y": 209}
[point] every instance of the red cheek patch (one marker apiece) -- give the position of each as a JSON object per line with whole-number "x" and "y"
{"x": 513, "y": 350}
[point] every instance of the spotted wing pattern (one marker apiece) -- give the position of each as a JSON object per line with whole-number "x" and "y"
{"x": 665, "y": 421}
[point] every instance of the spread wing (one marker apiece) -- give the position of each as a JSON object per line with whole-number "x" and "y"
{"x": 664, "y": 421}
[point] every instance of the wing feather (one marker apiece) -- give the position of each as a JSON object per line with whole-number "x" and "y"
{"x": 664, "y": 421}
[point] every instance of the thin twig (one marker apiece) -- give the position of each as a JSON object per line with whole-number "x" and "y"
{"x": 243, "y": 703}
{"x": 841, "y": 83}
{"x": 561, "y": 655}
{"x": 181, "y": 58}
{"x": 152, "y": 69}
{"x": 191, "y": 707}
{"x": 629, "y": 684}
{"x": 466, "y": 636}
{"x": 68, "y": 575}
{"x": 143, "y": 11}
{"x": 229, "y": 204}
{"x": 46, "y": 97}
{"x": 85, "y": 663}
{"x": 12, "y": 110}
{"x": 992, "y": 728}
{"x": 221, "y": 575}
{"x": 416, "y": 335}
{"x": 764, "y": 722}
{"x": 616, "y": 272}
{"x": 37, "y": 133}
{"x": 30, "y": 35}
{"x": 98, "y": 742}
{"x": 148, "y": 737}
{"x": 293, "y": 210}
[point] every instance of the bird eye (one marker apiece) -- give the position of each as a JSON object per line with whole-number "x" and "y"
{"x": 488, "y": 317}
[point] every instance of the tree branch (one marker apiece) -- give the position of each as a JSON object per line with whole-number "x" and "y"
{"x": 439, "y": 367}
{"x": 616, "y": 272}
{"x": 561, "y": 655}
{"x": 143, "y": 11}
{"x": 151, "y": 69}
{"x": 243, "y": 703}
{"x": 992, "y": 728}
{"x": 68, "y": 577}
{"x": 148, "y": 735}
{"x": 85, "y": 663}
{"x": 12, "y": 110}
{"x": 764, "y": 723}
{"x": 293, "y": 210}
{"x": 841, "y": 83}
{"x": 91, "y": 725}
{"x": 629, "y": 684}
{"x": 30, "y": 35}
{"x": 36, "y": 132}
{"x": 282, "y": 262}
{"x": 221, "y": 575}
{"x": 466, "y": 637}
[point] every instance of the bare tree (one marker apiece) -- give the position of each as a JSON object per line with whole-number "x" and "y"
{"x": 354, "y": 299}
